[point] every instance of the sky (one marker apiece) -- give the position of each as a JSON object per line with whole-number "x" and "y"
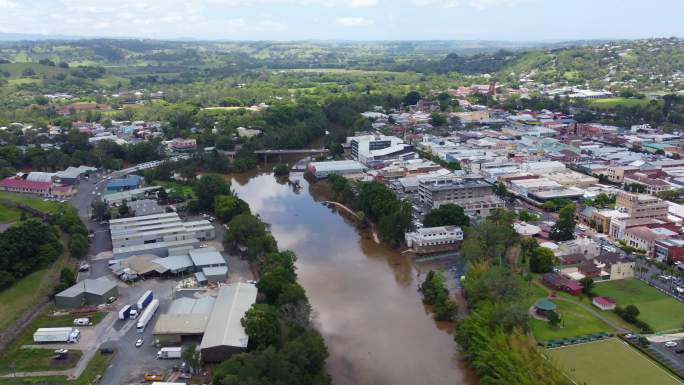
{"x": 513, "y": 20}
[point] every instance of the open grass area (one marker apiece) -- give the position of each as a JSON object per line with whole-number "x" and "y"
{"x": 185, "y": 189}
{"x": 660, "y": 311}
{"x": 36, "y": 203}
{"x": 29, "y": 291}
{"x": 614, "y": 102}
{"x": 96, "y": 367}
{"x": 9, "y": 214}
{"x": 41, "y": 359}
{"x": 34, "y": 360}
{"x": 575, "y": 321}
{"x": 610, "y": 362}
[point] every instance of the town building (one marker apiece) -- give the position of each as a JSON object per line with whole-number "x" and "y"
{"x": 429, "y": 238}
{"x": 475, "y": 195}
{"x": 644, "y": 238}
{"x": 641, "y": 206}
{"x": 556, "y": 281}
{"x": 130, "y": 182}
{"x": 322, "y": 170}
{"x": 669, "y": 250}
{"x": 368, "y": 148}
{"x": 604, "y": 303}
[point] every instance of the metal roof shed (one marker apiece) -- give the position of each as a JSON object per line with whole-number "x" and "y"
{"x": 207, "y": 257}
{"x": 225, "y": 335}
{"x": 215, "y": 274}
{"x": 88, "y": 291}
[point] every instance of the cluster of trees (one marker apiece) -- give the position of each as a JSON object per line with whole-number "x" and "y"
{"x": 493, "y": 336}
{"x": 26, "y": 247}
{"x": 490, "y": 240}
{"x": 436, "y": 294}
{"x": 248, "y": 230}
{"x": 602, "y": 200}
{"x": 630, "y": 313}
{"x": 284, "y": 348}
{"x": 446, "y": 215}
{"x": 377, "y": 203}
{"x": 527, "y": 216}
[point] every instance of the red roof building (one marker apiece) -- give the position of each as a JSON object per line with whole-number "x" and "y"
{"x": 604, "y": 303}
{"x": 25, "y": 186}
{"x": 556, "y": 281}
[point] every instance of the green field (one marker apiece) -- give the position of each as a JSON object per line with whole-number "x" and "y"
{"x": 36, "y": 203}
{"x": 658, "y": 310}
{"x": 185, "y": 189}
{"x": 40, "y": 359}
{"x": 614, "y": 102}
{"x": 96, "y": 366}
{"x": 575, "y": 321}
{"x": 9, "y": 214}
{"x": 610, "y": 362}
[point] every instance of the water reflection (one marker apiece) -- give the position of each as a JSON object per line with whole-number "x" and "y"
{"x": 364, "y": 295}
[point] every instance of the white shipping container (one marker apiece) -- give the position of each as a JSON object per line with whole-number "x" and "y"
{"x": 147, "y": 315}
{"x": 64, "y": 334}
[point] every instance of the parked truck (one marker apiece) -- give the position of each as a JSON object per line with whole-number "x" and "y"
{"x": 125, "y": 312}
{"x": 52, "y": 335}
{"x": 147, "y": 315}
{"x": 169, "y": 353}
{"x": 144, "y": 300}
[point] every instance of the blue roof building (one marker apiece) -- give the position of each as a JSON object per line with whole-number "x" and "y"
{"x": 129, "y": 183}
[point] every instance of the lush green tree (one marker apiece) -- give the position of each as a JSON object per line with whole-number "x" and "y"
{"x": 124, "y": 210}
{"x": 554, "y": 319}
{"x": 261, "y": 245}
{"x": 564, "y": 229}
{"x": 262, "y": 326}
{"x": 67, "y": 277}
{"x": 100, "y": 211}
{"x": 242, "y": 228}
{"x": 274, "y": 282}
{"x": 412, "y": 98}
{"x": 191, "y": 356}
{"x": 587, "y": 286}
{"x": 228, "y": 206}
{"x": 207, "y": 188}
{"x": 78, "y": 245}
{"x": 446, "y": 215}
{"x": 527, "y": 216}
{"x": 542, "y": 260}
{"x": 281, "y": 170}
{"x": 437, "y": 119}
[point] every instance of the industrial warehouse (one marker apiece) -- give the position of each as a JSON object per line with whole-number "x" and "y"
{"x": 87, "y": 292}
{"x": 156, "y": 234}
{"x": 195, "y": 314}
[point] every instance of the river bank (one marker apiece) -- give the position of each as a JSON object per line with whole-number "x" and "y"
{"x": 364, "y": 295}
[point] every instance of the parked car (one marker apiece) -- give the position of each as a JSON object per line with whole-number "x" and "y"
{"x": 139, "y": 342}
{"x": 679, "y": 351}
{"x": 671, "y": 344}
{"x": 84, "y": 267}
{"x": 106, "y": 350}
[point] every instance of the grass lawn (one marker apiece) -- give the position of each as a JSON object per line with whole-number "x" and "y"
{"x": 660, "y": 311}
{"x": 96, "y": 366}
{"x": 9, "y": 214}
{"x": 575, "y": 321}
{"x": 610, "y": 362}
{"x": 40, "y": 359}
{"x": 185, "y": 189}
{"x": 34, "y": 360}
{"x": 614, "y": 102}
{"x": 35, "y": 203}
{"x": 29, "y": 291}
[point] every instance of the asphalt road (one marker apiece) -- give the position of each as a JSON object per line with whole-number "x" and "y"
{"x": 669, "y": 355}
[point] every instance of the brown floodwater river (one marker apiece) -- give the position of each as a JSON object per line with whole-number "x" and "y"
{"x": 364, "y": 295}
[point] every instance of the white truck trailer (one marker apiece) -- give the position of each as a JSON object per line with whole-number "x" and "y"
{"x": 147, "y": 315}
{"x": 56, "y": 335}
{"x": 170, "y": 353}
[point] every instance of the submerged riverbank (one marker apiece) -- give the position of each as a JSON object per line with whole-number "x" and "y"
{"x": 364, "y": 295}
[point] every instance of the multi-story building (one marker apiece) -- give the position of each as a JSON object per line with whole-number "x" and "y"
{"x": 669, "y": 250}
{"x": 366, "y": 148}
{"x": 651, "y": 185}
{"x": 641, "y": 206}
{"x": 473, "y": 194}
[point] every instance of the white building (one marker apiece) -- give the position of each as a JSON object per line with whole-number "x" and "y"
{"x": 434, "y": 237}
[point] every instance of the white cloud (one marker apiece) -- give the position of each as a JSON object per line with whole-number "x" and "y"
{"x": 351, "y": 22}
{"x": 478, "y": 4}
{"x": 7, "y": 4}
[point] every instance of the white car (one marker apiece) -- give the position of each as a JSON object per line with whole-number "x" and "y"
{"x": 139, "y": 342}
{"x": 671, "y": 344}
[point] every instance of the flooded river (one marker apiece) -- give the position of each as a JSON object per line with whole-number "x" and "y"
{"x": 364, "y": 295}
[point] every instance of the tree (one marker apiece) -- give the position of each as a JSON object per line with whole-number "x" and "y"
{"x": 281, "y": 170}
{"x": 554, "y": 319}
{"x": 262, "y": 326}
{"x": 542, "y": 260}
{"x": 631, "y": 313}
{"x": 100, "y": 211}
{"x": 242, "y": 228}
{"x": 587, "y": 286}
{"x": 437, "y": 119}
{"x": 273, "y": 283}
{"x": 527, "y": 216}
{"x": 124, "y": 210}
{"x": 564, "y": 229}
{"x": 228, "y": 206}
{"x": 67, "y": 277}
{"x": 446, "y": 215}
{"x": 207, "y": 188}
{"x": 192, "y": 357}
{"x": 412, "y": 98}
{"x": 500, "y": 190}
{"x": 78, "y": 245}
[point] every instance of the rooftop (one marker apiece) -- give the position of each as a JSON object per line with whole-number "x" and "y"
{"x": 224, "y": 326}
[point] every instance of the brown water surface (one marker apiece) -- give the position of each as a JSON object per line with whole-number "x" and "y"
{"x": 364, "y": 295}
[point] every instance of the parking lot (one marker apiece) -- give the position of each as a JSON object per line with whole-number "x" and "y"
{"x": 670, "y": 355}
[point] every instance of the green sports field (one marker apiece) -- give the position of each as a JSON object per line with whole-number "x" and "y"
{"x": 658, "y": 310}
{"x": 575, "y": 321}
{"x": 610, "y": 362}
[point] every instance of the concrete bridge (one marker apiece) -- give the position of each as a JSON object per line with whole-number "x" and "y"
{"x": 264, "y": 154}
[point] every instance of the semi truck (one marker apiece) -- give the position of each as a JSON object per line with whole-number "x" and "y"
{"x": 51, "y": 335}
{"x": 144, "y": 300}
{"x": 147, "y": 315}
{"x": 125, "y": 312}
{"x": 169, "y": 353}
